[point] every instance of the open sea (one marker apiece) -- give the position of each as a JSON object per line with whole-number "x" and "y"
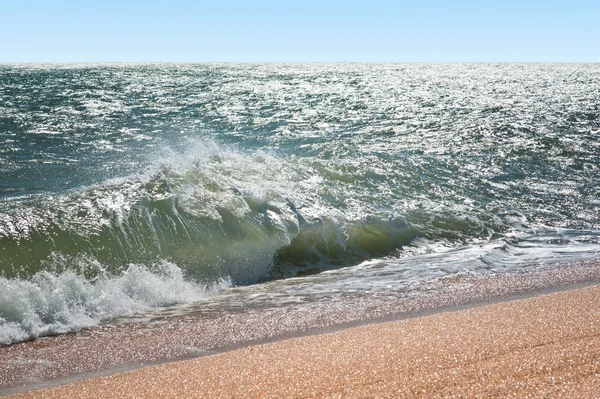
{"x": 128, "y": 188}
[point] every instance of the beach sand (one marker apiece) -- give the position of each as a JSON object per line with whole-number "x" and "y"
{"x": 546, "y": 346}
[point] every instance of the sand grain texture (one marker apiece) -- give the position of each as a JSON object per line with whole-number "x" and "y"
{"x": 547, "y": 346}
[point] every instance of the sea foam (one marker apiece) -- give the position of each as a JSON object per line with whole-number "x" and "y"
{"x": 54, "y": 303}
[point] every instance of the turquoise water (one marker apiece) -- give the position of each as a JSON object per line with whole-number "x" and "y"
{"x": 129, "y": 187}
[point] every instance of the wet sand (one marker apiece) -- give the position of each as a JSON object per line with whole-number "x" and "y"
{"x": 233, "y": 321}
{"x": 546, "y": 346}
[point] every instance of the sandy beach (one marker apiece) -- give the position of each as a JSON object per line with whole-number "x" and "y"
{"x": 546, "y": 346}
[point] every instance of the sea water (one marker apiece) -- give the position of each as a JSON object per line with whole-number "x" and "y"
{"x": 126, "y": 188}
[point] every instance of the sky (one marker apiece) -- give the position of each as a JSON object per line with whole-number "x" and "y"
{"x": 299, "y": 31}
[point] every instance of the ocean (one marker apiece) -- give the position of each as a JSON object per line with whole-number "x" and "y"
{"x": 130, "y": 188}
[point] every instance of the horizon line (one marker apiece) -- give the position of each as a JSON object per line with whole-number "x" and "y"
{"x": 298, "y": 62}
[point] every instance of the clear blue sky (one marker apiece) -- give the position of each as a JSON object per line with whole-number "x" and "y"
{"x": 226, "y": 30}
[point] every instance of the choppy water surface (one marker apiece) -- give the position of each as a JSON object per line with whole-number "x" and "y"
{"x": 128, "y": 187}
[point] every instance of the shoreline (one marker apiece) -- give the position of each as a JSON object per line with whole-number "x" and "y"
{"x": 55, "y": 361}
{"x": 546, "y": 345}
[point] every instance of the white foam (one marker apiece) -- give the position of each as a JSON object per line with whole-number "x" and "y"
{"x": 54, "y": 303}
